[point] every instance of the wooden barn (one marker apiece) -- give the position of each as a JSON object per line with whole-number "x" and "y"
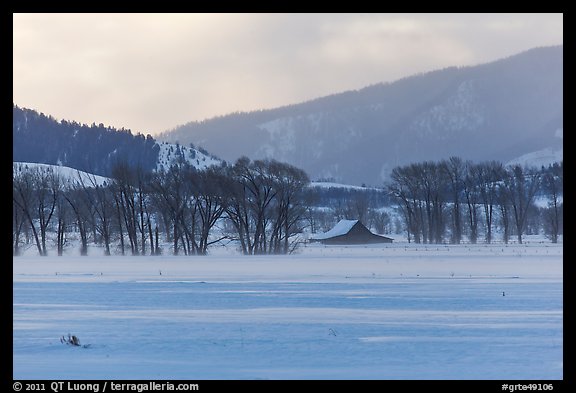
{"x": 349, "y": 232}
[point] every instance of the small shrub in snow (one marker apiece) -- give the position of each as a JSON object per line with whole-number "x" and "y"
{"x": 73, "y": 341}
{"x": 70, "y": 340}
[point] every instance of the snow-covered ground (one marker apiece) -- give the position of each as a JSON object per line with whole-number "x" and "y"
{"x": 67, "y": 175}
{"x": 394, "y": 311}
{"x": 340, "y": 185}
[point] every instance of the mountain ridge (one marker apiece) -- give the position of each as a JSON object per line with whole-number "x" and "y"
{"x": 498, "y": 110}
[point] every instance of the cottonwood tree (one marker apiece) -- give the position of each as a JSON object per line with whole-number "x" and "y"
{"x": 143, "y": 212}
{"x": 47, "y": 192}
{"x": 471, "y": 196}
{"x": 488, "y": 176}
{"x": 264, "y": 204}
{"x": 404, "y": 187}
{"x": 210, "y": 202}
{"x": 190, "y": 218}
{"x": 552, "y": 183}
{"x": 22, "y": 193}
{"x": 21, "y": 199}
{"x": 426, "y": 191}
{"x": 170, "y": 195}
{"x": 426, "y": 184}
{"x": 358, "y": 207}
{"x": 505, "y": 211}
{"x": 99, "y": 196}
{"x": 130, "y": 202}
{"x": 251, "y": 195}
{"x": 381, "y": 221}
{"x": 262, "y": 200}
{"x": 238, "y": 211}
{"x": 35, "y": 193}
{"x": 519, "y": 188}
{"x": 81, "y": 210}
{"x": 18, "y": 221}
{"x": 117, "y": 217}
{"x": 454, "y": 170}
{"x": 289, "y": 182}
{"x": 62, "y": 217}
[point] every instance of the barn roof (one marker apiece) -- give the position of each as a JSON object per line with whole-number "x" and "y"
{"x": 342, "y": 228}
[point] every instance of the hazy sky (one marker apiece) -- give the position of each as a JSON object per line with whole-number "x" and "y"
{"x": 152, "y": 72}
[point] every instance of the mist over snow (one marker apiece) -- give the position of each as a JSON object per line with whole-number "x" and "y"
{"x": 400, "y": 311}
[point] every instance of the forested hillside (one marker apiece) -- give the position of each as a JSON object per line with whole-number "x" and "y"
{"x": 92, "y": 148}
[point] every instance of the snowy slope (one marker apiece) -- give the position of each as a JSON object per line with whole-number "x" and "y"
{"x": 539, "y": 158}
{"x": 340, "y": 185}
{"x": 67, "y": 175}
{"x": 172, "y": 151}
{"x": 168, "y": 153}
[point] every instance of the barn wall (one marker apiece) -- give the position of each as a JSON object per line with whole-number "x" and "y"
{"x": 357, "y": 239}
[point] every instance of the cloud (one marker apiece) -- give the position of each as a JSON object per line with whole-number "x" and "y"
{"x": 151, "y": 72}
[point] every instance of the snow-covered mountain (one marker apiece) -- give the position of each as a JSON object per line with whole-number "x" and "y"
{"x": 504, "y": 110}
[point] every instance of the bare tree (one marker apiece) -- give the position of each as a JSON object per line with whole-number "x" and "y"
{"x": 117, "y": 197}
{"x": 238, "y": 210}
{"x": 210, "y": 203}
{"x": 488, "y": 176}
{"x": 20, "y": 200}
{"x": 170, "y": 194}
{"x": 264, "y": 204}
{"x": 358, "y": 207}
{"x": 431, "y": 190}
{"x": 62, "y": 214}
{"x": 382, "y": 221}
{"x": 454, "y": 170}
{"x": 505, "y": 208}
{"x": 142, "y": 196}
{"x": 125, "y": 181}
{"x": 405, "y": 187}
{"x": 35, "y": 193}
{"x": 251, "y": 198}
{"x": 18, "y": 220}
{"x": 81, "y": 210}
{"x": 99, "y": 196}
{"x": 552, "y": 184}
{"x": 471, "y": 196}
{"x": 520, "y": 186}
{"x": 289, "y": 182}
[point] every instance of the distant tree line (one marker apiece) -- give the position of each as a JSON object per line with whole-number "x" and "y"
{"x": 264, "y": 204}
{"x": 93, "y": 148}
{"x": 259, "y": 203}
{"x": 326, "y": 205}
{"x": 440, "y": 201}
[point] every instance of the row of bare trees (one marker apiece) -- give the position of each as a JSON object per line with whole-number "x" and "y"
{"x": 438, "y": 198}
{"x": 135, "y": 211}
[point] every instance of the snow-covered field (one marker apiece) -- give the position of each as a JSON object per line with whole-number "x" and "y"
{"x": 394, "y": 311}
